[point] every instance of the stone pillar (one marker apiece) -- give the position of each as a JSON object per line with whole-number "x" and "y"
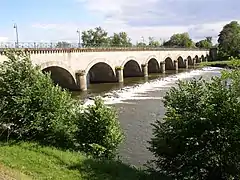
{"x": 162, "y": 67}
{"x": 206, "y": 59}
{"x": 186, "y": 63}
{"x": 194, "y": 61}
{"x": 145, "y": 70}
{"x": 175, "y": 64}
{"x": 119, "y": 74}
{"x": 81, "y": 80}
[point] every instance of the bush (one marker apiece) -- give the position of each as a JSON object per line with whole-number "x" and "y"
{"x": 98, "y": 130}
{"x": 31, "y": 107}
{"x": 199, "y": 138}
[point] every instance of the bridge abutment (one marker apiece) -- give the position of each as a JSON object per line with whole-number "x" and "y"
{"x": 162, "y": 67}
{"x": 81, "y": 80}
{"x": 145, "y": 70}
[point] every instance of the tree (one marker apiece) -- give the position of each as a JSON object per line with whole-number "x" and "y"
{"x": 199, "y": 137}
{"x": 229, "y": 39}
{"x": 63, "y": 44}
{"x": 95, "y": 37}
{"x": 205, "y": 43}
{"x": 120, "y": 40}
{"x": 31, "y": 106}
{"x": 141, "y": 44}
{"x": 153, "y": 43}
{"x": 99, "y": 130}
{"x": 180, "y": 40}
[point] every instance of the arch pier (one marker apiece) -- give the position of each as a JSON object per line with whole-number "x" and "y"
{"x": 73, "y": 73}
{"x": 81, "y": 79}
{"x": 102, "y": 72}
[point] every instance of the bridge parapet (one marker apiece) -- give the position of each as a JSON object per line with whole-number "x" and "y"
{"x": 100, "y": 49}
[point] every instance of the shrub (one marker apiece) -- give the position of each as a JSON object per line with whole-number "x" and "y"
{"x": 199, "y": 137}
{"x": 98, "y": 130}
{"x": 31, "y": 107}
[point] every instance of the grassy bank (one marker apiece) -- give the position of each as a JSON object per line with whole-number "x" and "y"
{"x": 31, "y": 161}
{"x": 223, "y": 64}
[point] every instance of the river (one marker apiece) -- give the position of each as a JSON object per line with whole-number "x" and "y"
{"x": 139, "y": 103}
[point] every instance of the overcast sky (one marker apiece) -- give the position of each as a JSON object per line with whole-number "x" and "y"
{"x": 55, "y": 20}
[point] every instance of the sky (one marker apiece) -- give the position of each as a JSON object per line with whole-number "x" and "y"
{"x": 58, "y": 20}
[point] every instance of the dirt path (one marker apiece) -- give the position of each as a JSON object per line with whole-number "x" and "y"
{"x": 8, "y": 174}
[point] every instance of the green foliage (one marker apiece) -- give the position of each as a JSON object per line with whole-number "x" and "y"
{"x": 98, "y": 130}
{"x": 141, "y": 44}
{"x": 233, "y": 77}
{"x": 179, "y": 40}
{"x": 206, "y": 43}
{"x": 31, "y": 106}
{"x": 229, "y": 40}
{"x": 63, "y": 44}
{"x": 120, "y": 40}
{"x": 153, "y": 43}
{"x": 42, "y": 162}
{"x": 95, "y": 37}
{"x": 33, "y": 109}
{"x": 199, "y": 138}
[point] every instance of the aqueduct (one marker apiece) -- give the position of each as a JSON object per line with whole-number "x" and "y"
{"x": 74, "y": 69}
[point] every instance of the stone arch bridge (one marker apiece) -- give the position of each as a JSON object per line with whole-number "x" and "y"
{"x": 75, "y": 68}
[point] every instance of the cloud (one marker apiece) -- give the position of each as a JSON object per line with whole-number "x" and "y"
{"x": 4, "y": 39}
{"x": 162, "y": 18}
{"x": 165, "y": 12}
{"x": 156, "y": 18}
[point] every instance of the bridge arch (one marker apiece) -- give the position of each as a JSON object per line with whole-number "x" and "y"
{"x": 181, "y": 63}
{"x": 190, "y": 60}
{"x": 197, "y": 59}
{"x": 203, "y": 58}
{"x": 169, "y": 65}
{"x": 131, "y": 68}
{"x": 153, "y": 64}
{"x": 61, "y": 74}
{"x": 100, "y": 71}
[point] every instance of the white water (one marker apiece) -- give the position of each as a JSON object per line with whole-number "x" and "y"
{"x": 136, "y": 92}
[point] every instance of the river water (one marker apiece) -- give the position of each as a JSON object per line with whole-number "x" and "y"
{"x": 139, "y": 103}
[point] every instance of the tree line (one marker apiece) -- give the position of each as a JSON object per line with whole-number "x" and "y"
{"x": 98, "y": 37}
{"x": 228, "y": 43}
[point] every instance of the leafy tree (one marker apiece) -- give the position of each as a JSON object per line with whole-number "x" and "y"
{"x": 95, "y": 37}
{"x": 141, "y": 44}
{"x": 229, "y": 39}
{"x": 98, "y": 131}
{"x": 206, "y": 43}
{"x": 31, "y": 107}
{"x": 179, "y": 40}
{"x": 153, "y": 43}
{"x": 120, "y": 40}
{"x": 63, "y": 44}
{"x": 199, "y": 138}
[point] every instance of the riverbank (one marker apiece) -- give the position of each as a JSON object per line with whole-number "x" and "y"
{"x": 32, "y": 161}
{"x": 230, "y": 64}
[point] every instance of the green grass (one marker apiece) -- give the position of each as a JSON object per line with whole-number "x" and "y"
{"x": 37, "y": 162}
{"x": 213, "y": 63}
{"x": 229, "y": 63}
